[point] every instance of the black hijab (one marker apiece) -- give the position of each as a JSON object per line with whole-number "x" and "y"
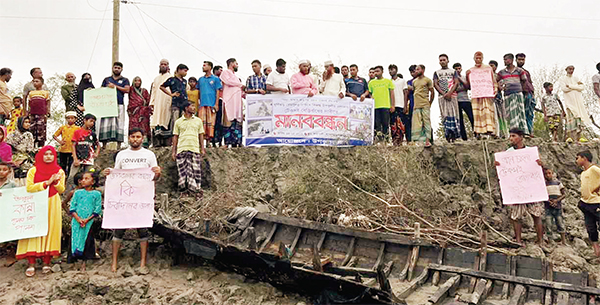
{"x": 83, "y": 85}
{"x": 20, "y": 124}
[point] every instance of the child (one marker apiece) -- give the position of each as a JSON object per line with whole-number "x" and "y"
{"x": 15, "y": 114}
{"x": 193, "y": 93}
{"x": 22, "y": 143}
{"x": 188, "y": 143}
{"x": 39, "y": 107}
{"x": 85, "y": 206}
{"x": 65, "y": 152}
{"x": 85, "y": 148}
{"x": 7, "y": 183}
{"x": 556, "y": 193}
{"x": 65, "y": 202}
{"x": 553, "y": 111}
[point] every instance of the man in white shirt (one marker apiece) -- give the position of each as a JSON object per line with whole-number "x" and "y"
{"x": 132, "y": 158}
{"x": 399, "y": 120}
{"x": 278, "y": 82}
{"x": 333, "y": 84}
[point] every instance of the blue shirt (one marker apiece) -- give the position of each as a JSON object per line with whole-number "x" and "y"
{"x": 177, "y": 85}
{"x": 121, "y": 82}
{"x": 255, "y": 82}
{"x": 356, "y": 86}
{"x": 208, "y": 87}
{"x": 411, "y": 96}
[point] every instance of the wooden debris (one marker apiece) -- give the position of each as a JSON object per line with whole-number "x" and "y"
{"x": 440, "y": 261}
{"x": 445, "y": 290}
{"x": 295, "y": 242}
{"x": 251, "y": 238}
{"x": 380, "y": 256}
{"x": 481, "y": 292}
{"x": 349, "y": 252}
{"x": 415, "y": 252}
{"x": 518, "y": 296}
{"x": 506, "y": 286}
{"x": 269, "y": 237}
{"x": 316, "y": 259}
{"x": 414, "y": 284}
{"x": 562, "y": 298}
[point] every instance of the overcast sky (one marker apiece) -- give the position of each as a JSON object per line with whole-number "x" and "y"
{"x": 60, "y": 35}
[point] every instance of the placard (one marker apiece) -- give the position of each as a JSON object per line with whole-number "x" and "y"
{"x": 521, "y": 178}
{"x": 482, "y": 84}
{"x": 101, "y": 102}
{"x": 22, "y": 214}
{"x": 128, "y": 199}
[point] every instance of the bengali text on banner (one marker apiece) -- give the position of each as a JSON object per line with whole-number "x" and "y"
{"x": 22, "y": 214}
{"x": 128, "y": 199}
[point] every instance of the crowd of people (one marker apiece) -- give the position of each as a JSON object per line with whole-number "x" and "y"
{"x": 191, "y": 114}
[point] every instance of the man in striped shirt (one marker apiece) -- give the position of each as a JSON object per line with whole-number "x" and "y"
{"x": 510, "y": 80}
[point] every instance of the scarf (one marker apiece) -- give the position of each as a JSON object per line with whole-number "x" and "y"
{"x": 83, "y": 85}
{"x": 43, "y": 170}
{"x": 20, "y": 124}
{"x": 138, "y": 90}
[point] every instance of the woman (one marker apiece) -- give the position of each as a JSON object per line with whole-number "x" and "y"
{"x": 84, "y": 84}
{"x": 5, "y": 149}
{"x": 22, "y": 148}
{"x": 46, "y": 174}
{"x": 138, "y": 109}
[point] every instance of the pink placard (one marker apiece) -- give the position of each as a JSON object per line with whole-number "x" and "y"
{"x": 481, "y": 82}
{"x": 129, "y": 199}
{"x": 521, "y": 178}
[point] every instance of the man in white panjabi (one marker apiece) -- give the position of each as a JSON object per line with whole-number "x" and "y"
{"x": 160, "y": 103}
{"x": 332, "y": 84}
{"x": 577, "y": 115}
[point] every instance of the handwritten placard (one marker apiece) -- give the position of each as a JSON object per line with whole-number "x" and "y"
{"x": 22, "y": 214}
{"x": 128, "y": 199}
{"x": 521, "y": 178}
{"x": 481, "y": 81}
{"x": 101, "y": 102}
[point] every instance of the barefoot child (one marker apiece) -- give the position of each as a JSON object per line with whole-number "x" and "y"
{"x": 66, "y": 132}
{"x": 85, "y": 206}
{"x": 556, "y": 194}
{"x": 15, "y": 114}
{"x": 553, "y": 111}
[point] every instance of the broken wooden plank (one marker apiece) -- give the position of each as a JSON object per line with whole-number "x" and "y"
{"x": 251, "y": 238}
{"x": 330, "y": 228}
{"x": 404, "y": 271}
{"x": 481, "y": 292}
{"x": 414, "y": 284}
{"x": 548, "y": 275}
{"x": 473, "y": 281}
{"x": 321, "y": 241}
{"x": 316, "y": 259}
{"x": 349, "y": 252}
{"x": 517, "y": 280}
{"x": 295, "y": 242}
{"x": 269, "y": 237}
{"x": 380, "y": 256}
{"x": 414, "y": 257}
{"x": 384, "y": 283}
{"x": 506, "y": 285}
{"x": 518, "y": 296}
{"x": 387, "y": 269}
{"x": 481, "y": 261}
{"x": 562, "y": 298}
{"x": 440, "y": 261}
{"x": 445, "y": 290}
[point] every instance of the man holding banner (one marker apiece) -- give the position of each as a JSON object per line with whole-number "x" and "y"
{"x": 135, "y": 157}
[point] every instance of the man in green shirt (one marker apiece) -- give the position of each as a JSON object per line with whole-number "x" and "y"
{"x": 382, "y": 90}
{"x": 188, "y": 149}
{"x": 423, "y": 94}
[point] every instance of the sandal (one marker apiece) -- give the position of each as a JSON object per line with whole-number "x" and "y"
{"x": 30, "y": 272}
{"x": 46, "y": 269}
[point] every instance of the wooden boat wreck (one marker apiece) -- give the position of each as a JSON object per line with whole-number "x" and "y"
{"x": 340, "y": 265}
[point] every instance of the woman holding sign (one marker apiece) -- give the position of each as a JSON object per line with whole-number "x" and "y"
{"x": 483, "y": 91}
{"x": 46, "y": 174}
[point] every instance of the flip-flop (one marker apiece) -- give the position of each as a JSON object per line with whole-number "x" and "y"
{"x": 46, "y": 269}
{"x": 30, "y": 272}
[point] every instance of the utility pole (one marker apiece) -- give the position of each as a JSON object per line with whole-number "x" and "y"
{"x": 115, "y": 34}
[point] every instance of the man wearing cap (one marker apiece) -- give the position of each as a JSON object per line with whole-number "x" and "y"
{"x": 66, "y": 132}
{"x": 302, "y": 82}
{"x": 267, "y": 70}
{"x": 278, "y": 82}
{"x": 333, "y": 83}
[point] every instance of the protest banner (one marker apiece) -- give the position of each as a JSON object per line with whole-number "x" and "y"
{"x": 128, "y": 199}
{"x": 101, "y": 102}
{"x": 482, "y": 84}
{"x": 22, "y": 214}
{"x": 521, "y": 178}
{"x": 285, "y": 119}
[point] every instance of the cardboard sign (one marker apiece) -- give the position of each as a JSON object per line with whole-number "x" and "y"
{"x": 521, "y": 178}
{"x": 22, "y": 214}
{"x": 482, "y": 84}
{"x": 128, "y": 199}
{"x": 101, "y": 102}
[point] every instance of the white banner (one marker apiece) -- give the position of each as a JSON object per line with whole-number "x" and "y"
{"x": 22, "y": 214}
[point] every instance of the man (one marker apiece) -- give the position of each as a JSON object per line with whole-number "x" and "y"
{"x": 423, "y": 98}
{"x": 5, "y": 99}
{"x": 445, "y": 81}
{"x": 188, "y": 149}
{"x": 67, "y": 92}
{"x": 160, "y": 103}
{"x": 256, "y": 84}
{"x": 596, "y": 81}
{"x": 510, "y": 80}
{"x": 528, "y": 93}
{"x": 35, "y": 73}
{"x": 371, "y": 74}
{"x": 577, "y": 115}
{"x": 382, "y": 90}
{"x": 210, "y": 87}
{"x": 501, "y": 115}
{"x": 267, "y": 70}
{"x": 590, "y": 198}
{"x": 302, "y": 82}
{"x": 409, "y": 101}
{"x": 519, "y": 211}
{"x": 344, "y": 70}
{"x": 484, "y": 110}
{"x": 134, "y": 157}
{"x": 278, "y": 82}
{"x": 176, "y": 87}
{"x": 356, "y": 86}
{"x": 464, "y": 103}
{"x": 399, "y": 120}
{"x": 111, "y": 129}
{"x": 219, "y": 129}
{"x": 232, "y": 103}
{"x": 333, "y": 83}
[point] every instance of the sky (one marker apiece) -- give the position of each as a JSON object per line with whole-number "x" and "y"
{"x": 75, "y": 35}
